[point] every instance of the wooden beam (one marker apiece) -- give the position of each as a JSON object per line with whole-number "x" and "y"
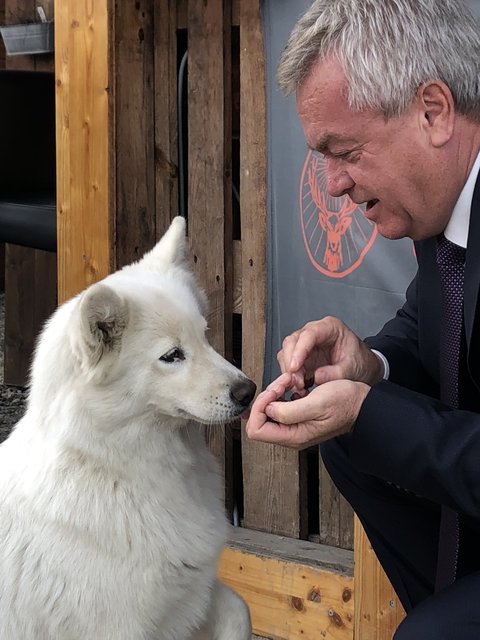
{"x": 294, "y": 590}
{"x": 85, "y": 179}
{"x": 182, "y": 12}
{"x": 30, "y": 298}
{"x": 206, "y": 170}
{"x": 135, "y": 217}
{"x": 279, "y": 506}
{"x": 378, "y": 611}
{"x": 206, "y": 126}
{"x": 166, "y": 124}
{"x": 335, "y": 514}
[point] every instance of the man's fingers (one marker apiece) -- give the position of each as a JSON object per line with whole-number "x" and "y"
{"x": 320, "y": 334}
{"x": 281, "y": 385}
{"x": 288, "y": 346}
{"x": 272, "y": 393}
{"x": 331, "y": 372}
{"x": 257, "y": 417}
{"x": 303, "y": 347}
{"x": 274, "y": 433}
{"x": 293, "y": 412}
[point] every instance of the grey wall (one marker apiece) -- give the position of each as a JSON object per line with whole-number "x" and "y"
{"x": 363, "y": 283}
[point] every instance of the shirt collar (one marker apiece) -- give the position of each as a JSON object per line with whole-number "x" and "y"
{"x": 457, "y": 228}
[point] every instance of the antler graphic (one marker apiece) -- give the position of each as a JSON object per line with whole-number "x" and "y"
{"x": 334, "y": 223}
{"x": 317, "y": 195}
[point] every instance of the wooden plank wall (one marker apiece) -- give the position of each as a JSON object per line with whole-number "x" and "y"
{"x": 30, "y": 274}
{"x": 273, "y": 476}
{"x": 85, "y": 180}
{"x": 118, "y": 170}
{"x": 378, "y": 611}
{"x": 165, "y": 105}
{"x": 209, "y": 211}
{"x": 134, "y": 130}
{"x": 120, "y": 108}
{"x": 295, "y": 591}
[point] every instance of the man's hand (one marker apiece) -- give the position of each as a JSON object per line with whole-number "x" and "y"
{"x": 329, "y": 410}
{"x": 326, "y": 350}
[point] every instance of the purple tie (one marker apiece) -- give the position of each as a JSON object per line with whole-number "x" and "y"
{"x": 451, "y": 266}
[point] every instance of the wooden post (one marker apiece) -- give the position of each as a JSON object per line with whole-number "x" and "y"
{"x": 134, "y": 152}
{"x": 206, "y": 169}
{"x": 378, "y": 611}
{"x": 273, "y": 476}
{"x": 336, "y": 515}
{"x": 85, "y": 172}
{"x": 166, "y": 144}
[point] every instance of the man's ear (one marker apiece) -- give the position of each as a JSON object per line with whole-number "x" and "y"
{"x": 437, "y": 111}
{"x": 103, "y": 317}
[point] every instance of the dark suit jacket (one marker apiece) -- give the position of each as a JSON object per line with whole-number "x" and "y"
{"x": 403, "y": 433}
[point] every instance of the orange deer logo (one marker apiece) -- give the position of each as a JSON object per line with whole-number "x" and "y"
{"x": 335, "y": 228}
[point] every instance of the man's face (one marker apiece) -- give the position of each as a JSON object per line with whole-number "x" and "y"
{"x": 390, "y": 165}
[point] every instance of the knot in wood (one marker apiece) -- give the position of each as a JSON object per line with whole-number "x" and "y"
{"x": 315, "y": 595}
{"x": 347, "y": 595}
{"x": 337, "y": 620}
{"x": 296, "y": 603}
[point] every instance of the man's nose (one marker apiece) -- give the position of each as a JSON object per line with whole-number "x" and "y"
{"x": 339, "y": 182}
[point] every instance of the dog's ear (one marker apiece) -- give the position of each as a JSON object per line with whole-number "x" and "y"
{"x": 170, "y": 250}
{"x": 172, "y": 254}
{"x": 103, "y": 319}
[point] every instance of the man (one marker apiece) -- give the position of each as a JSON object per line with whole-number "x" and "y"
{"x": 389, "y": 92}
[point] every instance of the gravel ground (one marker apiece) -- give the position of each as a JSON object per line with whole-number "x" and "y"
{"x": 12, "y": 399}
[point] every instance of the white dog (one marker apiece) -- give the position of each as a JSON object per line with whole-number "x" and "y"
{"x": 111, "y": 513}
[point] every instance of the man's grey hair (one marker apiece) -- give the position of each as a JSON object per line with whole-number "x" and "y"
{"x": 388, "y": 49}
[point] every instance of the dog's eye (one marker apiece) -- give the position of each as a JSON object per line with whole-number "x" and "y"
{"x": 174, "y": 355}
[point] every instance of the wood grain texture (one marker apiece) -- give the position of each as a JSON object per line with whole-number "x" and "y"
{"x": 85, "y": 180}
{"x": 30, "y": 298}
{"x": 336, "y": 515}
{"x": 165, "y": 103}
{"x": 290, "y": 600}
{"x": 183, "y": 9}
{"x": 206, "y": 170}
{"x": 135, "y": 228}
{"x": 273, "y": 476}
{"x": 206, "y": 126}
{"x": 378, "y": 611}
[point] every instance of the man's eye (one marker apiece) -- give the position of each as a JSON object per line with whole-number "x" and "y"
{"x": 174, "y": 355}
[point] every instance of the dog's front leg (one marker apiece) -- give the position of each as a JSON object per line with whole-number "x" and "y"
{"x": 228, "y": 618}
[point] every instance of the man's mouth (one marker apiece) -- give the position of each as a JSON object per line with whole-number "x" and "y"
{"x": 371, "y": 204}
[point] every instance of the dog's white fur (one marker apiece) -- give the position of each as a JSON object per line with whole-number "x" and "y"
{"x": 111, "y": 513}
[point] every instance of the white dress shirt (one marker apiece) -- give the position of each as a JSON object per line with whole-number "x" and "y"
{"x": 456, "y": 230}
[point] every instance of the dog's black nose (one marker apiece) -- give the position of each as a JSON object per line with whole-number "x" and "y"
{"x": 243, "y": 392}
